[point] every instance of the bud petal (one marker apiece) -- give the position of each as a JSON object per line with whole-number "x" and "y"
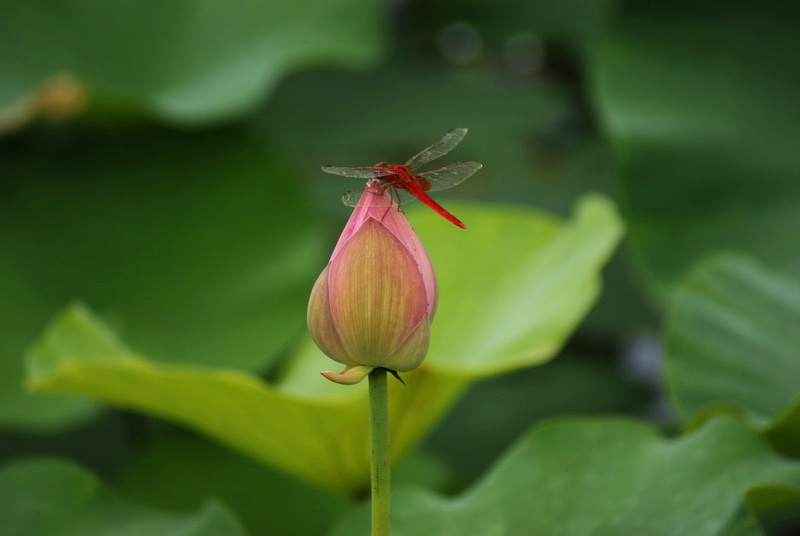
{"x": 349, "y": 376}
{"x": 372, "y": 305}
{"x": 324, "y": 332}
{"x": 377, "y": 296}
{"x": 411, "y": 352}
{"x": 375, "y": 204}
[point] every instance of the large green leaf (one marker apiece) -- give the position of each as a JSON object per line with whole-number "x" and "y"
{"x": 177, "y": 240}
{"x": 186, "y": 61}
{"x": 529, "y": 280}
{"x": 700, "y": 103}
{"x": 604, "y": 477}
{"x": 496, "y": 412}
{"x": 49, "y": 497}
{"x": 190, "y": 469}
{"x": 545, "y": 272}
{"x": 267, "y": 502}
{"x": 733, "y": 341}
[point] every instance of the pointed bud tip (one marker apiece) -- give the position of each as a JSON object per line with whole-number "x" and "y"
{"x": 396, "y": 375}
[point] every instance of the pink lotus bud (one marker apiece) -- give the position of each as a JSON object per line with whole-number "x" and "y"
{"x": 373, "y": 304}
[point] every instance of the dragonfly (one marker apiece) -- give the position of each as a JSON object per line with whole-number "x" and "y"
{"x": 404, "y": 185}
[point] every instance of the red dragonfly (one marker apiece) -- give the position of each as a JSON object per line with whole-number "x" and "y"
{"x": 404, "y": 186}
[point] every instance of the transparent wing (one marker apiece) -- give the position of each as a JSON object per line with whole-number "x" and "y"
{"x": 440, "y": 147}
{"x": 358, "y": 172}
{"x": 451, "y": 174}
{"x": 397, "y": 196}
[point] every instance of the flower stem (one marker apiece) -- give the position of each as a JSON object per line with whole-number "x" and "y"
{"x": 379, "y": 439}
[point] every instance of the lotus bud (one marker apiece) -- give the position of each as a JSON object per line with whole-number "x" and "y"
{"x": 373, "y": 304}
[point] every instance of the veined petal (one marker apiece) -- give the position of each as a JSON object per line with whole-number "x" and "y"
{"x": 411, "y": 352}
{"x": 397, "y": 224}
{"x": 377, "y": 204}
{"x": 377, "y": 294}
{"x": 320, "y": 322}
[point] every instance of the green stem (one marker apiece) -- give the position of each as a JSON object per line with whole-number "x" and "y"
{"x": 379, "y": 440}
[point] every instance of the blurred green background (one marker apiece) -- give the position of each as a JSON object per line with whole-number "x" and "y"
{"x": 159, "y": 161}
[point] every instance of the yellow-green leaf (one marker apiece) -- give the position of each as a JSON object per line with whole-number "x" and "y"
{"x": 55, "y": 497}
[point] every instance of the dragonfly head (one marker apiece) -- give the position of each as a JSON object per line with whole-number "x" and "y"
{"x": 379, "y": 170}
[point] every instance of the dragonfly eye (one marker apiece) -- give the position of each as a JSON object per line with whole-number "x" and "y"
{"x": 381, "y": 170}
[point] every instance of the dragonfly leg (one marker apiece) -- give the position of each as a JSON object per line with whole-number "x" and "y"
{"x": 395, "y": 196}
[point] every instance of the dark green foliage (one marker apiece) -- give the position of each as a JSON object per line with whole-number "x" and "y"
{"x": 163, "y": 219}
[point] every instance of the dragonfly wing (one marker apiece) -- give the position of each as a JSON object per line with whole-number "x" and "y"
{"x": 358, "y": 172}
{"x": 401, "y": 197}
{"x": 451, "y": 174}
{"x": 352, "y": 197}
{"x": 440, "y": 147}
{"x": 397, "y": 196}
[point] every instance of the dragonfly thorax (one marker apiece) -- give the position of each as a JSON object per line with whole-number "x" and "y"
{"x": 400, "y": 177}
